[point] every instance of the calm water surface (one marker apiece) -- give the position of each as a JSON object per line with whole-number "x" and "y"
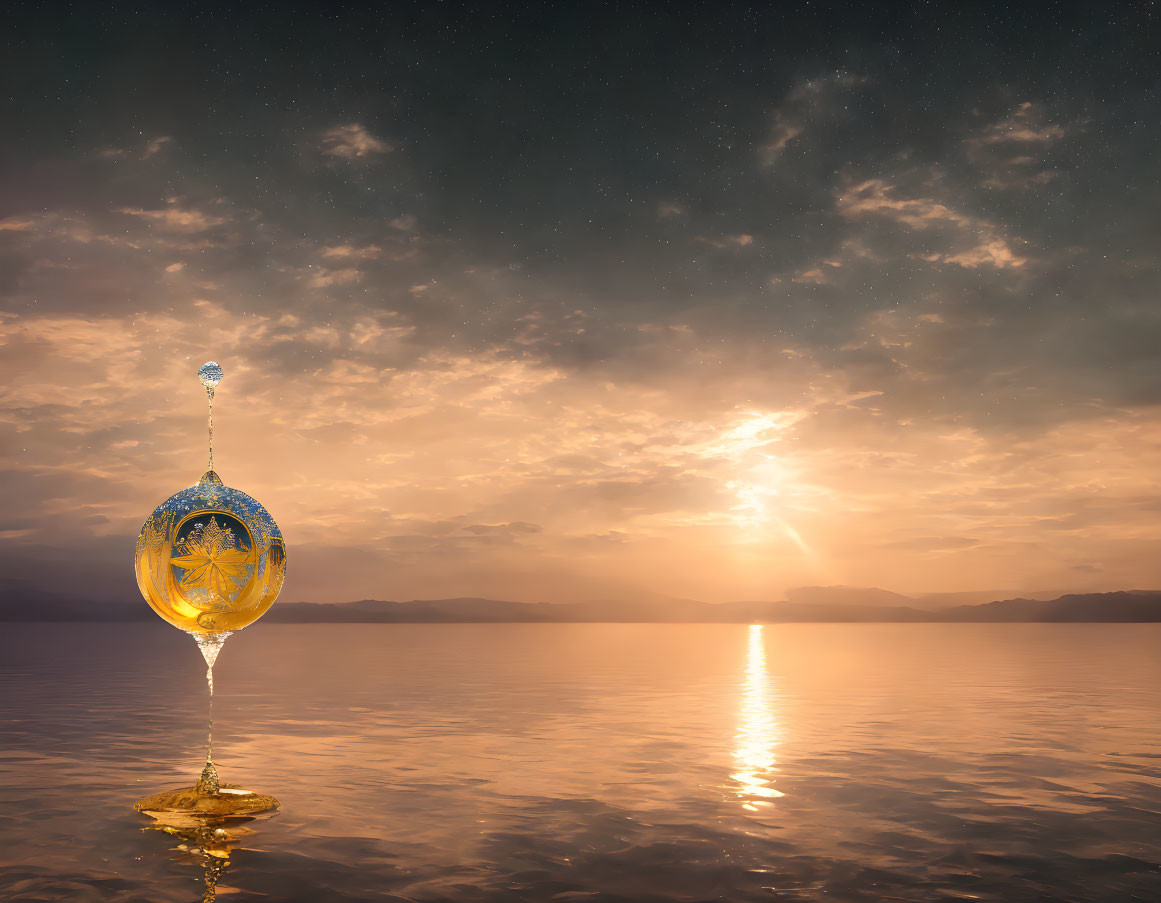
{"x": 592, "y": 762}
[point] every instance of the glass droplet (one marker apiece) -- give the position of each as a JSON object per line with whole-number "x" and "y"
{"x": 210, "y": 374}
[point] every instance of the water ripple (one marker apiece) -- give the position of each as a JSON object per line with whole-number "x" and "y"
{"x": 593, "y": 762}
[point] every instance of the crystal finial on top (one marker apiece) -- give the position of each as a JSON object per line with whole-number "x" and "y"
{"x": 210, "y": 374}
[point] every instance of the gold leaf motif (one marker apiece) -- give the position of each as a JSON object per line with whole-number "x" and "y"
{"x": 153, "y": 534}
{"x": 212, "y": 561}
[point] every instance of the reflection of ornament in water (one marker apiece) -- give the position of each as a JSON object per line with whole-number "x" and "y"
{"x": 210, "y": 560}
{"x": 207, "y": 840}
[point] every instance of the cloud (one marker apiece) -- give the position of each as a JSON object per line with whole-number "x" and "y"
{"x": 1025, "y": 125}
{"x": 513, "y": 529}
{"x": 150, "y": 148}
{"x": 321, "y": 277}
{"x": 875, "y": 196}
{"x": 817, "y": 275}
{"x": 1014, "y": 152}
{"x": 16, "y": 224}
{"x": 361, "y": 440}
{"x": 860, "y": 361}
{"x": 994, "y": 252}
{"x": 176, "y": 218}
{"x": 743, "y": 240}
{"x": 933, "y": 543}
{"x": 155, "y": 146}
{"x": 781, "y": 134}
{"x": 352, "y": 142}
{"x": 351, "y": 252}
{"x": 808, "y": 101}
{"x": 975, "y": 242}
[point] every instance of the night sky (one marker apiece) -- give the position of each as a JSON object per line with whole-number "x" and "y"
{"x": 577, "y": 301}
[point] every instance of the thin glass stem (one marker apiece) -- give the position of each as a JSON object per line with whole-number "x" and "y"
{"x": 210, "y": 394}
{"x": 210, "y": 645}
{"x": 210, "y": 730}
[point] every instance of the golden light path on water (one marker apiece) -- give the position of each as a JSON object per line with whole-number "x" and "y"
{"x": 758, "y": 730}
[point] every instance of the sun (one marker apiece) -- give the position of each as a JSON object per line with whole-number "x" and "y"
{"x": 764, "y": 484}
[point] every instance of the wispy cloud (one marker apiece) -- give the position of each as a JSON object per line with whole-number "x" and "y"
{"x": 396, "y": 454}
{"x": 817, "y": 275}
{"x": 782, "y": 132}
{"x": 352, "y": 142}
{"x": 177, "y": 218}
{"x": 741, "y": 240}
{"x": 1013, "y": 152}
{"x": 138, "y": 150}
{"x": 774, "y": 339}
{"x": 321, "y": 277}
{"x": 352, "y": 252}
{"x": 16, "y": 224}
{"x": 1026, "y": 125}
{"x": 808, "y": 100}
{"x": 975, "y": 241}
{"x": 155, "y": 146}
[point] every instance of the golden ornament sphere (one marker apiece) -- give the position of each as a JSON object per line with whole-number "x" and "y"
{"x": 210, "y": 559}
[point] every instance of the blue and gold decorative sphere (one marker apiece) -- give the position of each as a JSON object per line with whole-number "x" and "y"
{"x": 210, "y": 559}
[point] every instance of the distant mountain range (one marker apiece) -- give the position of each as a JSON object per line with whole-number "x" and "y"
{"x": 806, "y": 604}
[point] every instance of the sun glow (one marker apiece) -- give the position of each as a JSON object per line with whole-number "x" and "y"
{"x": 763, "y": 484}
{"x": 754, "y": 431}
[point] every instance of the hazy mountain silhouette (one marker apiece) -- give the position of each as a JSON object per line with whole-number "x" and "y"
{"x": 850, "y": 596}
{"x": 20, "y": 601}
{"x": 1135, "y": 605}
{"x": 1132, "y": 605}
{"x": 874, "y": 596}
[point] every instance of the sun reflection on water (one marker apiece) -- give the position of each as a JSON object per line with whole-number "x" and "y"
{"x": 758, "y": 731}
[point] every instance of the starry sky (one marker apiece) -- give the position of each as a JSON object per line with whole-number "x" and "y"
{"x": 580, "y": 300}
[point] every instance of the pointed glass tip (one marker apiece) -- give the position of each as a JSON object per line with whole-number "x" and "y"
{"x": 210, "y": 644}
{"x": 210, "y": 374}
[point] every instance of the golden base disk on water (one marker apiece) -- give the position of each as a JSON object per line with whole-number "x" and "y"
{"x": 229, "y": 802}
